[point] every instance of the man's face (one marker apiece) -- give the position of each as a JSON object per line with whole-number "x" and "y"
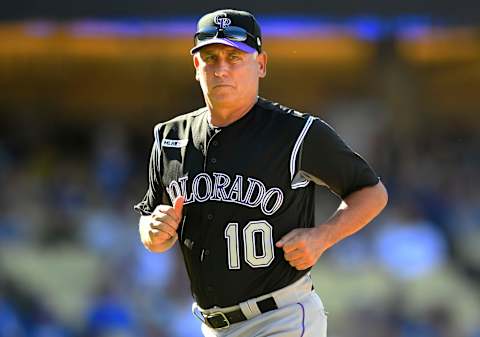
{"x": 228, "y": 75}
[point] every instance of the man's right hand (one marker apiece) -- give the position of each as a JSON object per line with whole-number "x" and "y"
{"x": 158, "y": 231}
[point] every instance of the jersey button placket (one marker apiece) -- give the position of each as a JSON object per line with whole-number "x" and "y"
{"x": 210, "y": 158}
{"x": 205, "y": 252}
{"x": 214, "y": 144}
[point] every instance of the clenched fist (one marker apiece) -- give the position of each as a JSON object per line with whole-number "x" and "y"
{"x": 303, "y": 247}
{"x": 158, "y": 231}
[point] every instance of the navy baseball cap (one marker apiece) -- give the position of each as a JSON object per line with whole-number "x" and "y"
{"x": 238, "y": 29}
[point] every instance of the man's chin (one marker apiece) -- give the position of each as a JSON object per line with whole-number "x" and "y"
{"x": 223, "y": 96}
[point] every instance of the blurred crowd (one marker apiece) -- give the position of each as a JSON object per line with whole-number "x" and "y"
{"x": 71, "y": 263}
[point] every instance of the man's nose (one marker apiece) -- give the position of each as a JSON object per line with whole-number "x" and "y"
{"x": 221, "y": 68}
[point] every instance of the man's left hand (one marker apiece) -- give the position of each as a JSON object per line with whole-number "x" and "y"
{"x": 303, "y": 246}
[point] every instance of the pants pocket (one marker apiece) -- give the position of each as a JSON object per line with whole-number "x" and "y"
{"x": 315, "y": 317}
{"x": 318, "y": 304}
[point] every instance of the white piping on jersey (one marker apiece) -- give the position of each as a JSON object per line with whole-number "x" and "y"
{"x": 300, "y": 184}
{"x": 293, "y": 157}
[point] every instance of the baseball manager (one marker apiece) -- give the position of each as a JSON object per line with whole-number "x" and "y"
{"x": 233, "y": 182}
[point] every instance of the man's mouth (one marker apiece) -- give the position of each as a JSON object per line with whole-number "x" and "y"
{"x": 221, "y": 85}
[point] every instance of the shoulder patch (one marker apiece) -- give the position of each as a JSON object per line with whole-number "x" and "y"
{"x": 174, "y": 142}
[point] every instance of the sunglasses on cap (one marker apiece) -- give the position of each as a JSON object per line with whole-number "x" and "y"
{"x": 231, "y": 32}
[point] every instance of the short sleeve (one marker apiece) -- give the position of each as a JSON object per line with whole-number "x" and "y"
{"x": 155, "y": 191}
{"x": 326, "y": 160}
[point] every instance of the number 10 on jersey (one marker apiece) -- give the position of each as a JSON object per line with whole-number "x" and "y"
{"x": 251, "y": 254}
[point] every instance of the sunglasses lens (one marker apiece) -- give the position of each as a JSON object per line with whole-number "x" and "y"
{"x": 231, "y": 33}
{"x": 235, "y": 33}
{"x": 206, "y": 33}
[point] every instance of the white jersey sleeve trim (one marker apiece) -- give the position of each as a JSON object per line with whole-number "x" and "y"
{"x": 299, "y": 184}
{"x": 296, "y": 183}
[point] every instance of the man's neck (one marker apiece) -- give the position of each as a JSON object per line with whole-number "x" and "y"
{"x": 225, "y": 115}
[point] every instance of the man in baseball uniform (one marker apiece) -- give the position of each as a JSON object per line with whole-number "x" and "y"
{"x": 233, "y": 182}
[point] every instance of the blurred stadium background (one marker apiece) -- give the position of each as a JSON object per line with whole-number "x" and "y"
{"x": 83, "y": 83}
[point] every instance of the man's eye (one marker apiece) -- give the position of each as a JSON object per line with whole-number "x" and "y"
{"x": 234, "y": 57}
{"x": 209, "y": 58}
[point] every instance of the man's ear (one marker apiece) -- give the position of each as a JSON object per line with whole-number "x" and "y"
{"x": 196, "y": 64}
{"x": 262, "y": 64}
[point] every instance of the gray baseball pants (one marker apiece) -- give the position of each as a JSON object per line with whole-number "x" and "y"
{"x": 300, "y": 313}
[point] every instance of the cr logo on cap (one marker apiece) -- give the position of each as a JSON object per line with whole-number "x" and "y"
{"x": 222, "y": 21}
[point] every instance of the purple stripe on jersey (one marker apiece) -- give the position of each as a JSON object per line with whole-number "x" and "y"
{"x": 303, "y": 318}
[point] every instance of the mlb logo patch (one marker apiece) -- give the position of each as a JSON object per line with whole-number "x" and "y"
{"x": 174, "y": 142}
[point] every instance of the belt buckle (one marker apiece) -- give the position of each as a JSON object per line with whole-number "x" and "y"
{"x": 215, "y": 315}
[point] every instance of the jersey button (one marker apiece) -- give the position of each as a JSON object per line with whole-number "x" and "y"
{"x": 213, "y": 160}
{"x": 215, "y": 143}
{"x": 210, "y": 216}
{"x": 207, "y": 252}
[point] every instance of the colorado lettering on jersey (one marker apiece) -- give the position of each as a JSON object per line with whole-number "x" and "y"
{"x": 203, "y": 187}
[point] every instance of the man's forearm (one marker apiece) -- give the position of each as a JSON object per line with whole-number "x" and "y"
{"x": 355, "y": 211}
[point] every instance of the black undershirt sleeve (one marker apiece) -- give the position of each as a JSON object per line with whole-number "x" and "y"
{"x": 325, "y": 159}
{"x": 155, "y": 191}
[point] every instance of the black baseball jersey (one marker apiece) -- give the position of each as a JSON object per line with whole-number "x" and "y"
{"x": 246, "y": 185}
